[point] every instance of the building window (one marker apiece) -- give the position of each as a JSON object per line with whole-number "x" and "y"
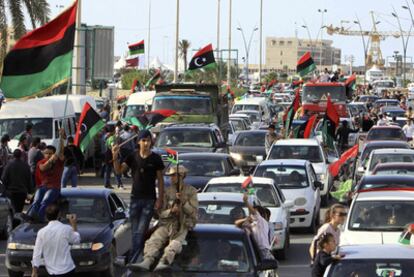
{"x": 289, "y": 42}
{"x": 273, "y": 42}
{"x": 281, "y": 62}
{"x": 281, "y": 53}
{"x": 281, "y": 42}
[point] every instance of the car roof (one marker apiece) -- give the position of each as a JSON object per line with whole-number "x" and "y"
{"x": 292, "y": 162}
{"x": 259, "y": 131}
{"x": 392, "y": 179}
{"x": 385, "y": 127}
{"x": 386, "y": 143}
{"x": 221, "y": 197}
{"x": 401, "y": 165}
{"x": 392, "y": 150}
{"x": 204, "y": 154}
{"x": 218, "y": 228}
{"x": 85, "y": 192}
{"x": 190, "y": 126}
{"x": 385, "y": 195}
{"x": 251, "y": 100}
{"x": 387, "y": 100}
{"x": 392, "y": 108}
{"x": 311, "y": 142}
{"x": 376, "y": 251}
{"x": 240, "y": 179}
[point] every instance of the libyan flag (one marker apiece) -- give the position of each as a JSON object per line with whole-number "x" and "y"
{"x": 137, "y": 48}
{"x": 154, "y": 78}
{"x": 305, "y": 65}
{"x": 42, "y": 59}
{"x": 150, "y": 119}
{"x": 349, "y": 154}
{"x": 330, "y": 123}
{"x": 90, "y": 124}
{"x": 172, "y": 156}
{"x": 290, "y": 113}
{"x": 204, "y": 58}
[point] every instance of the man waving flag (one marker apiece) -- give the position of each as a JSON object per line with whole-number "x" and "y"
{"x": 204, "y": 58}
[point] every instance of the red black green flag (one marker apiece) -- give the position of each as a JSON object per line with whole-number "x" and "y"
{"x": 290, "y": 113}
{"x": 203, "y": 58}
{"x": 350, "y": 85}
{"x": 42, "y": 59}
{"x": 172, "y": 156}
{"x": 247, "y": 182}
{"x": 154, "y": 78}
{"x": 309, "y": 126}
{"x": 330, "y": 123}
{"x": 348, "y": 154}
{"x": 137, "y": 48}
{"x": 132, "y": 62}
{"x": 90, "y": 124}
{"x": 150, "y": 119}
{"x": 305, "y": 64}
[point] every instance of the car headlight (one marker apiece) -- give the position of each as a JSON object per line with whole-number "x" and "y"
{"x": 236, "y": 156}
{"x": 88, "y": 245}
{"x": 321, "y": 177}
{"x": 301, "y": 201}
{"x": 97, "y": 246}
{"x": 19, "y": 246}
{"x": 278, "y": 226}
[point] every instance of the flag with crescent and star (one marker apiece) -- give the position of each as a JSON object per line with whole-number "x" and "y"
{"x": 148, "y": 120}
{"x": 172, "y": 156}
{"x": 90, "y": 124}
{"x": 203, "y": 58}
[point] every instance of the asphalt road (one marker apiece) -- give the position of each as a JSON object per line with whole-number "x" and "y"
{"x": 296, "y": 264}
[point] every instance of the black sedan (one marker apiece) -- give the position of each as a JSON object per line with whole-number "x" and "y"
{"x": 378, "y": 182}
{"x": 218, "y": 250}
{"x": 248, "y": 149}
{"x": 204, "y": 166}
{"x": 6, "y": 217}
{"x": 102, "y": 226}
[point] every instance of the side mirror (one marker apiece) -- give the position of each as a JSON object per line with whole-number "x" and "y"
{"x": 318, "y": 184}
{"x": 119, "y": 215}
{"x": 361, "y": 169}
{"x": 288, "y": 204}
{"x": 259, "y": 159}
{"x": 235, "y": 172}
{"x": 267, "y": 265}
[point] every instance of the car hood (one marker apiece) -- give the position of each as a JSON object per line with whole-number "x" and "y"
{"x": 26, "y": 232}
{"x": 199, "y": 182}
{"x": 320, "y": 168}
{"x": 250, "y": 150}
{"x": 292, "y": 194}
{"x": 366, "y": 237}
{"x": 191, "y": 274}
{"x": 182, "y": 150}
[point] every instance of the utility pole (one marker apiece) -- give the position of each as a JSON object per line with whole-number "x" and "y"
{"x": 261, "y": 41}
{"x": 177, "y": 29}
{"x": 218, "y": 42}
{"x": 229, "y": 46}
{"x": 78, "y": 81}
{"x": 322, "y": 11}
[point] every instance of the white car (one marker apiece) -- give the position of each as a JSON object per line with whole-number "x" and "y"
{"x": 306, "y": 149}
{"x": 378, "y": 217}
{"x": 298, "y": 182}
{"x": 270, "y": 197}
{"x": 388, "y": 155}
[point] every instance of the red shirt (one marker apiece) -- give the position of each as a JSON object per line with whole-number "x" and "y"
{"x": 51, "y": 178}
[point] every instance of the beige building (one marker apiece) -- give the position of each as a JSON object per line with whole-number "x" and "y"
{"x": 283, "y": 53}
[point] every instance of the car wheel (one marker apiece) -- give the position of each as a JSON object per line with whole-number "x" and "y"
{"x": 313, "y": 228}
{"x": 282, "y": 253}
{"x": 15, "y": 273}
{"x": 110, "y": 271}
{"x": 325, "y": 200}
{"x": 9, "y": 226}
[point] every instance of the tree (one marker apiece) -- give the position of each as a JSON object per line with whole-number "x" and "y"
{"x": 38, "y": 11}
{"x": 183, "y": 47}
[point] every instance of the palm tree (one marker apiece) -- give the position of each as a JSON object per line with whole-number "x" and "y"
{"x": 183, "y": 47}
{"x": 38, "y": 11}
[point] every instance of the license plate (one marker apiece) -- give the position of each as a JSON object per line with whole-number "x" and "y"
{"x": 251, "y": 163}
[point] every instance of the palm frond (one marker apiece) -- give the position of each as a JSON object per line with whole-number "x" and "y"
{"x": 41, "y": 11}
{"x": 3, "y": 33}
{"x": 29, "y": 7}
{"x": 17, "y": 16}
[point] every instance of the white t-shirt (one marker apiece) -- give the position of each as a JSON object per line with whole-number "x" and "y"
{"x": 382, "y": 122}
{"x": 408, "y": 130}
{"x": 260, "y": 231}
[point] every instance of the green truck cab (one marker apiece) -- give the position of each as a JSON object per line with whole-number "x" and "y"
{"x": 194, "y": 103}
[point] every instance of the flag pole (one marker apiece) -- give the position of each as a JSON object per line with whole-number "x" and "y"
{"x": 149, "y": 36}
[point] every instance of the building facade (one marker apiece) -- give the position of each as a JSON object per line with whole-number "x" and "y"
{"x": 283, "y": 53}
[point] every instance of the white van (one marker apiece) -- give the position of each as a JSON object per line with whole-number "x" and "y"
{"x": 254, "y": 103}
{"x": 78, "y": 101}
{"x": 138, "y": 103}
{"x": 46, "y": 115}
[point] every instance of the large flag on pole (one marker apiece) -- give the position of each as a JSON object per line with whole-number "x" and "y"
{"x": 42, "y": 59}
{"x": 203, "y": 58}
{"x": 290, "y": 113}
{"x": 305, "y": 64}
{"x": 330, "y": 123}
{"x": 309, "y": 126}
{"x": 90, "y": 123}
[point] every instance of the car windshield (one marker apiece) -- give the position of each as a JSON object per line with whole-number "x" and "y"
{"x": 367, "y": 150}
{"x": 200, "y": 105}
{"x": 184, "y": 138}
{"x": 242, "y": 107}
{"x": 321, "y": 93}
{"x": 390, "y": 158}
{"x": 284, "y": 176}
{"x": 238, "y": 124}
{"x": 212, "y": 254}
{"x": 254, "y": 116}
{"x": 381, "y": 215}
{"x": 250, "y": 139}
{"x": 14, "y": 127}
{"x": 384, "y": 84}
{"x": 390, "y": 184}
{"x": 135, "y": 110}
{"x": 395, "y": 171}
{"x": 203, "y": 166}
{"x": 396, "y": 113}
{"x": 87, "y": 210}
{"x": 301, "y": 152}
{"x": 264, "y": 193}
{"x": 220, "y": 212}
{"x": 373, "y": 267}
{"x": 386, "y": 134}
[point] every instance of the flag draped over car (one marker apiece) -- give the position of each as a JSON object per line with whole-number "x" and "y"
{"x": 42, "y": 59}
{"x": 290, "y": 113}
{"x": 348, "y": 154}
{"x": 204, "y": 58}
{"x": 148, "y": 120}
{"x": 330, "y": 123}
{"x": 90, "y": 124}
{"x": 305, "y": 64}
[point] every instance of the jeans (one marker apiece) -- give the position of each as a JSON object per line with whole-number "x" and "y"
{"x": 70, "y": 173}
{"x": 107, "y": 176}
{"x": 17, "y": 199}
{"x": 141, "y": 211}
{"x": 43, "y": 198}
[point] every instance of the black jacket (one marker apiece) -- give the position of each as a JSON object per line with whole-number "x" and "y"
{"x": 17, "y": 178}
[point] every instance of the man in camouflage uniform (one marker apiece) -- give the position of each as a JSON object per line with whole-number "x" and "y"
{"x": 177, "y": 217}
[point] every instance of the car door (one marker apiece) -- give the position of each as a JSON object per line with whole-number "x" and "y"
{"x": 122, "y": 227}
{"x": 314, "y": 192}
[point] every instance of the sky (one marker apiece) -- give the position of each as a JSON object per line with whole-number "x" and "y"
{"x": 198, "y": 22}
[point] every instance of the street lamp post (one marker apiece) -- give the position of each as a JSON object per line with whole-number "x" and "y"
{"x": 247, "y": 49}
{"x": 149, "y": 36}
{"x": 322, "y": 11}
{"x": 365, "y": 48}
{"x": 407, "y": 7}
{"x": 177, "y": 29}
{"x": 310, "y": 37}
{"x": 229, "y": 46}
{"x": 261, "y": 41}
{"x": 404, "y": 42}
